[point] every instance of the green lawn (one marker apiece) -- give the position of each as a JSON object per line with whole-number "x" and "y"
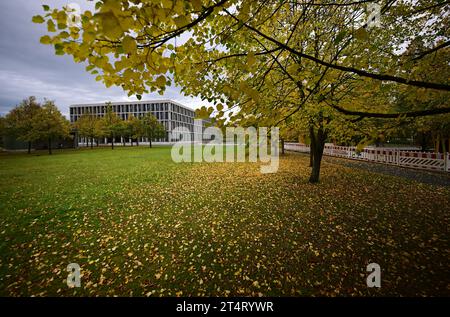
{"x": 140, "y": 225}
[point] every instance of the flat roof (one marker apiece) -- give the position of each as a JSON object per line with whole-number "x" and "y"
{"x": 131, "y": 102}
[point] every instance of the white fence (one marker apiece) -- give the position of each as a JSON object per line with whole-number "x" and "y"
{"x": 412, "y": 159}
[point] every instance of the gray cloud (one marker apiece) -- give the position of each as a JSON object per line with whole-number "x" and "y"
{"x": 28, "y": 68}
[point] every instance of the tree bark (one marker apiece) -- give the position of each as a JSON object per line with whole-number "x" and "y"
{"x": 311, "y": 146}
{"x": 282, "y": 146}
{"x": 423, "y": 142}
{"x": 436, "y": 145}
{"x": 29, "y": 147}
{"x": 317, "y": 147}
{"x": 92, "y": 143}
{"x": 49, "y": 146}
{"x": 112, "y": 142}
{"x": 150, "y": 142}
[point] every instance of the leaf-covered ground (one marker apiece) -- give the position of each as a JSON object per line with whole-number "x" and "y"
{"x": 140, "y": 225}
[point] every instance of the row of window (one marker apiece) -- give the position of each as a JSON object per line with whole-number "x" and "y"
{"x": 133, "y": 108}
{"x": 158, "y": 115}
{"x": 185, "y": 122}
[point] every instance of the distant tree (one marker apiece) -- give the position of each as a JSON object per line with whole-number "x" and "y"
{"x": 86, "y": 125}
{"x": 99, "y": 130}
{"x": 2, "y": 130}
{"x": 124, "y": 131}
{"x": 111, "y": 123}
{"x": 18, "y": 122}
{"x": 135, "y": 129}
{"x": 152, "y": 128}
{"x": 50, "y": 124}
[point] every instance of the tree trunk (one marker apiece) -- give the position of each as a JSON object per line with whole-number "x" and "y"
{"x": 112, "y": 142}
{"x": 436, "y": 145}
{"x": 92, "y": 143}
{"x": 29, "y": 147}
{"x": 423, "y": 142}
{"x": 137, "y": 141}
{"x": 317, "y": 147}
{"x": 282, "y": 146}
{"x": 49, "y": 146}
{"x": 150, "y": 142}
{"x": 311, "y": 146}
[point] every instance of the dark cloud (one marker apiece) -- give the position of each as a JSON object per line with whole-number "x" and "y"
{"x": 28, "y": 68}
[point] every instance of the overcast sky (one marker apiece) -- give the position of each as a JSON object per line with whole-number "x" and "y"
{"x": 28, "y": 68}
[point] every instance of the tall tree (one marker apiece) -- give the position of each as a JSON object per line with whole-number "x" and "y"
{"x": 2, "y": 130}
{"x": 124, "y": 131}
{"x": 18, "y": 122}
{"x": 111, "y": 123}
{"x": 241, "y": 52}
{"x": 141, "y": 36}
{"x": 135, "y": 129}
{"x": 50, "y": 124}
{"x": 152, "y": 128}
{"x": 86, "y": 126}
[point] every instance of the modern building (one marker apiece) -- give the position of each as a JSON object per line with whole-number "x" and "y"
{"x": 170, "y": 113}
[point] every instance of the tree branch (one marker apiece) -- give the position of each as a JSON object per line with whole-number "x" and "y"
{"x": 360, "y": 72}
{"x": 411, "y": 114}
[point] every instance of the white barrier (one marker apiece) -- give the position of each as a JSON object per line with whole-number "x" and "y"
{"x": 413, "y": 159}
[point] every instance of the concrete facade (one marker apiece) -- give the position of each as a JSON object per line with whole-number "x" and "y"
{"x": 170, "y": 113}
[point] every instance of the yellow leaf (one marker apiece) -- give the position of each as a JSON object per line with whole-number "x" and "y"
{"x": 37, "y": 19}
{"x": 46, "y": 39}
{"x": 160, "y": 81}
{"x": 129, "y": 44}
{"x": 251, "y": 59}
{"x": 110, "y": 24}
{"x": 196, "y": 4}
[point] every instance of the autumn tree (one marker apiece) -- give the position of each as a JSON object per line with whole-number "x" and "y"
{"x": 152, "y": 128}
{"x": 49, "y": 124}
{"x": 123, "y": 129}
{"x": 18, "y": 122}
{"x": 303, "y": 46}
{"x": 111, "y": 124}
{"x": 86, "y": 127}
{"x": 135, "y": 129}
{"x": 2, "y": 129}
{"x": 100, "y": 130}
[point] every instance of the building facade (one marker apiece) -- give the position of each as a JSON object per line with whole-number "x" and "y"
{"x": 170, "y": 113}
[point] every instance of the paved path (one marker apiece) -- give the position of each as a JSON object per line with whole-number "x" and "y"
{"x": 422, "y": 176}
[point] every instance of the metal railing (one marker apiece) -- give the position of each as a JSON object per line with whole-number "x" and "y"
{"x": 413, "y": 159}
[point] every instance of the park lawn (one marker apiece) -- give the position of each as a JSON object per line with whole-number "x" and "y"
{"x": 139, "y": 224}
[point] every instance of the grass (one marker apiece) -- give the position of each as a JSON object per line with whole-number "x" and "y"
{"x": 140, "y": 225}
